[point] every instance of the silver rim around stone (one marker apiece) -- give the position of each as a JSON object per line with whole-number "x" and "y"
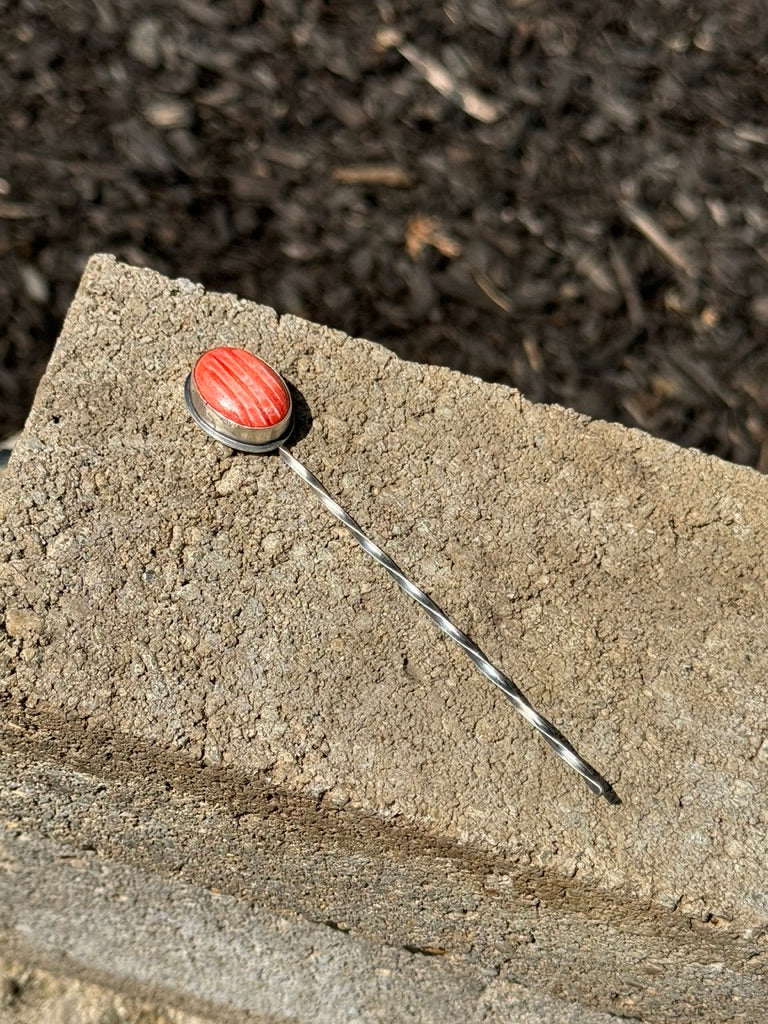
{"x": 253, "y": 440}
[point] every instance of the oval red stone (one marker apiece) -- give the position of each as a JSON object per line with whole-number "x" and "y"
{"x": 243, "y": 388}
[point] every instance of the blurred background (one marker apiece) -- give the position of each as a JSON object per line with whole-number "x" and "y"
{"x": 568, "y": 197}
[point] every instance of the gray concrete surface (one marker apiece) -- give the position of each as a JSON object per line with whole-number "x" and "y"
{"x": 29, "y": 995}
{"x": 235, "y": 751}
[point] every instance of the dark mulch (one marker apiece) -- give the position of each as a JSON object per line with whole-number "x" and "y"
{"x": 567, "y": 197}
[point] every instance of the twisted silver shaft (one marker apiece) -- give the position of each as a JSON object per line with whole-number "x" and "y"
{"x": 597, "y": 784}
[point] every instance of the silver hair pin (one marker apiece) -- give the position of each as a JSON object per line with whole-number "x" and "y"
{"x": 243, "y": 402}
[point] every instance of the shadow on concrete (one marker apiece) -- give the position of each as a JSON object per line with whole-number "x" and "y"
{"x": 302, "y": 415}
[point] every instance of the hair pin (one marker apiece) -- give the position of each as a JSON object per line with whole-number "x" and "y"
{"x": 239, "y": 399}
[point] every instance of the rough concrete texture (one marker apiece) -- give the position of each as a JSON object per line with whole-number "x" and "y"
{"x": 29, "y": 995}
{"x": 246, "y": 773}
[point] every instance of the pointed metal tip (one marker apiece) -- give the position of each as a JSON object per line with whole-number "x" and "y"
{"x": 612, "y": 796}
{"x": 602, "y": 788}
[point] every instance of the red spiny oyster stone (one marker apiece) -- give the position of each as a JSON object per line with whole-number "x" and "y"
{"x": 243, "y": 388}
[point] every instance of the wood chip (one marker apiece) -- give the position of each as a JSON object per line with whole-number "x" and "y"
{"x": 168, "y": 113}
{"x": 486, "y": 284}
{"x": 628, "y": 286}
{"x": 658, "y": 237}
{"x": 423, "y": 231}
{"x": 388, "y": 175}
{"x": 533, "y": 353}
{"x": 18, "y": 211}
{"x": 464, "y": 96}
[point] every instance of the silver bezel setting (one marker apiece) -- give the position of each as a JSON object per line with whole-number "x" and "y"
{"x": 254, "y": 440}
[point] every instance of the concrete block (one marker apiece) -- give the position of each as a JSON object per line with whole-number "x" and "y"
{"x": 243, "y": 772}
{"x": 29, "y": 995}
